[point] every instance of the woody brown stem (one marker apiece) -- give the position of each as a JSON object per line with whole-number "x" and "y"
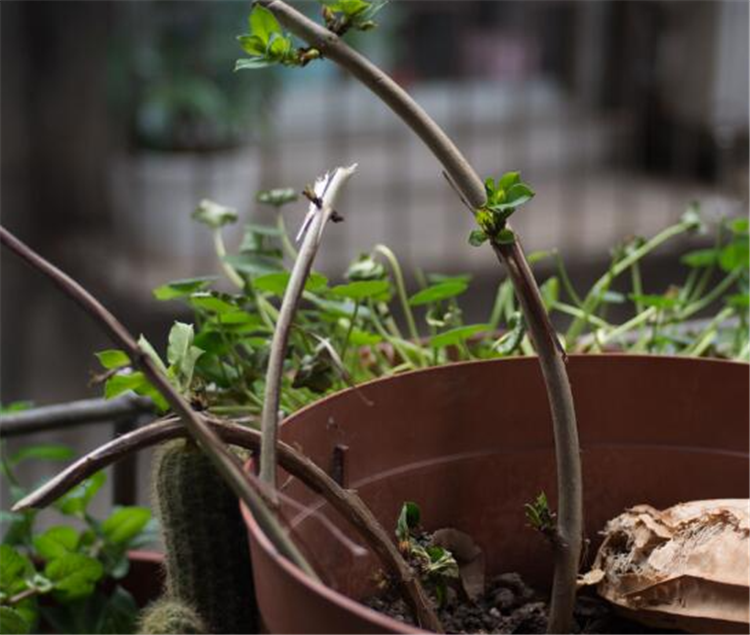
{"x": 551, "y": 356}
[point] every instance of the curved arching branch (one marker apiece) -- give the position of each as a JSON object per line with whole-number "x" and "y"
{"x": 344, "y": 501}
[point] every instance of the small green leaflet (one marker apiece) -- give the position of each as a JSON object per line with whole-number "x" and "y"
{"x": 456, "y": 335}
{"x": 182, "y": 288}
{"x": 181, "y": 353}
{"x": 363, "y": 290}
{"x": 477, "y": 237}
{"x": 147, "y": 348}
{"x": 277, "y": 197}
{"x": 74, "y": 575}
{"x": 408, "y": 519}
{"x": 77, "y": 500}
{"x": 125, "y": 524}
{"x": 56, "y": 542}
{"x": 438, "y": 292}
{"x": 14, "y": 569}
{"x": 113, "y": 358}
{"x": 276, "y": 283}
{"x": 254, "y": 264}
{"x": 214, "y": 215}
{"x": 700, "y": 258}
{"x": 365, "y": 268}
{"x": 11, "y": 621}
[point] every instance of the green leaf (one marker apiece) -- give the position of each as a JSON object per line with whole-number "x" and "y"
{"x": 359, "y": 337}
{"x": 263, "y": 23}
{"x": 125, "y": 524}
{"x": 365, "y": 268}
{"x": 252, "y": 44}
{"x": 277, "y": 197}
{"x": 118, "y": 614}
{"x": 122, "y": 382}
{"x": 252, "y": 63}
{"x": 700, "y": 258}
{"x": 739, "y": 225}
{"x": 47, "y": 452}
{"x": 438, "y": 292}
{"x": 456, "y": 335}
{"x": 15, "y": 568}
{"x": 692, "y": 217}
{"x": 363, "y": 289}
{"x": 11, "y": 621}
{"x": 146, "y": 347}
{"x": 56, "y": 542}
{"x": 408, "y": 519}
{"x": 182, "y": 354}
{"x": 137, "y": 382}
{"x": 739, "y": 300}
{"x": 181, "y": 337}
{"x": 214, "y": 302}
{"x": 276, "y": 283}
{"x": 349, "y": 8}
{"x": 254, "y": 264}
{"x": 508, "y": 180}
{"x": 538, "y": 256}
{"x": 74, "y": 575}
{"x": 477, "y": 237}
{"x": 113, "y": 358}
{"x": 182, "y": 288}
{"x": 214, "y": 215}
{"x": 77, "y": 500}
{"x": 657, "y": 301}
{"x": 512, "y": 339}
{"x": 505, "y": 237}
{"x": 735, "y": 255}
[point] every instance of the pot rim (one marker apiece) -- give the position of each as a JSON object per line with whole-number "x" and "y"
{"x": 387, "y": 623}
{"x": 356, "y": 607}
{"x": 518, "y": 358}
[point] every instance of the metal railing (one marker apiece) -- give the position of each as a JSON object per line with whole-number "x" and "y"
{"x": 123, "y": 413}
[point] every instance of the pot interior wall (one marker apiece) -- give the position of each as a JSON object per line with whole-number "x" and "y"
{"x": 471, "y": 443}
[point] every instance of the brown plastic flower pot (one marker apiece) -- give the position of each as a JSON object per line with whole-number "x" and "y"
{"x": 472, "y": 442}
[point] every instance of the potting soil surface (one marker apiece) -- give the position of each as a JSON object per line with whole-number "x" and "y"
{"x": 510, "y": 606}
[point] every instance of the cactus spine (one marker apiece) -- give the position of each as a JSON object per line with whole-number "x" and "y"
{"x": 207, "y": 552}
{"x": 165, "y": 617}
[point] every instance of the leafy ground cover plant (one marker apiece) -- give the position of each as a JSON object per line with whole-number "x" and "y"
{"x": 68, "y": 575}
{"x": 372, "y": 325}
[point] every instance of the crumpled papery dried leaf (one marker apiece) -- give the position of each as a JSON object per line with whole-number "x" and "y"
{"x": 687, "y": 567}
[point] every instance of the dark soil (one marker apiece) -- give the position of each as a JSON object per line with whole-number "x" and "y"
{"x": 510, "y": 606}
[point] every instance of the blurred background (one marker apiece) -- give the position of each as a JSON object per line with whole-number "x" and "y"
{"x": 118, "y": 117}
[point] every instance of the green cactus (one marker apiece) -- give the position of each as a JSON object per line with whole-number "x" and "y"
{"x": 170, "y": 617}
{"x": 207, "y": 552}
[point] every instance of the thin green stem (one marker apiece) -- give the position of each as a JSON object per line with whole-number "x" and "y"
{"x": 285, "y": 242}
{"x": 708, "y": 335}
{"x": 637, "y": 286}
{"x": 398, "y": 276}
{"x": 347, "y": 338}
{"x": 221, "y": 252}
{"x": 711, "y": 297}
{"x": 593, "y": 298}
{"x": 625, "y": 327}
{"x": 562, "y": 271}
{"x": 593, "y": 320}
